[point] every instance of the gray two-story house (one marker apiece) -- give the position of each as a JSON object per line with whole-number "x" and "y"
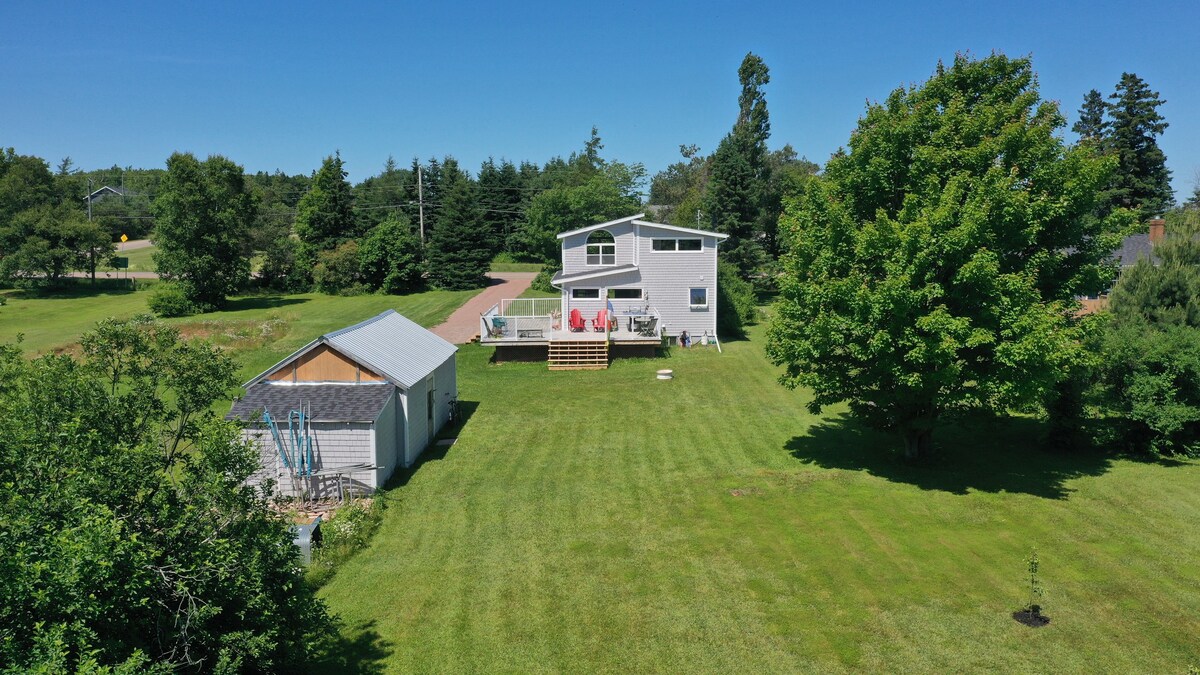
{"x": 623, "y": 283}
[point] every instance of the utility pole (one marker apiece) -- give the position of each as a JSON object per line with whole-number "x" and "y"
{"x": 89, "y": 198}
{"x": 421, "y": 202}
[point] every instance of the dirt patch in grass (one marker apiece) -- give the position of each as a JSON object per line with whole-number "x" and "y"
{"x": 1031, "y": 618}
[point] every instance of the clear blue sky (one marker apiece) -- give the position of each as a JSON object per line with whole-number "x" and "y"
{"x": 280, "y": 85}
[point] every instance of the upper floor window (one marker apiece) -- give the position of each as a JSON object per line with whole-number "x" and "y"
{"x": 601, "y": 248}
{"x": 677, "y": 244}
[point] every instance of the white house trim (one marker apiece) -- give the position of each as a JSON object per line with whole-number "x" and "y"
{"x": 676, "y": 228}
{"x": 601, "y": 226}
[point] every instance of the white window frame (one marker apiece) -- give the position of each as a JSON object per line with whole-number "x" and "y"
{"x": 574, "y": 291}
{"x": 605, "y": 253}
{"x": 691, "y": 291}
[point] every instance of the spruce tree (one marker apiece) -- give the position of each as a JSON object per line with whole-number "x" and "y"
{"x": 1142, "y": 182}
{"x": 737, "y": 188}
{"x": 325, "y": 214}
{"x": 1092, "y": 126}
{"x": 458, "y": 246}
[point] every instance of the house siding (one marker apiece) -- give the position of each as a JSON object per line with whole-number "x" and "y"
{"x": 665, "y": 277}
{"x": 575, "y": 249}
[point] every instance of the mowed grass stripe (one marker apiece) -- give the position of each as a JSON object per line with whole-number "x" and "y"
{"x": 606, "y": 521}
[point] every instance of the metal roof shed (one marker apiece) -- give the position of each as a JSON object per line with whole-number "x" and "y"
{"x": 375, "y": 394}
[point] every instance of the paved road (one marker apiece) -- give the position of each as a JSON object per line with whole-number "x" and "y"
{"x": 463, "y": 324}
{"x": 134, "y": 244}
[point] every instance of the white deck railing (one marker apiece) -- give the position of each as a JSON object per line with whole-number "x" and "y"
{"x": 539, "y": 319}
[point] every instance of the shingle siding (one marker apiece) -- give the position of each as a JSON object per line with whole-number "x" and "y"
{"x": 334, "y": 445}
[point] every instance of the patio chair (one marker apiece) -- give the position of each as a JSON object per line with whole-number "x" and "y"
{"x": 600, "y": 323}
{"x": 646, "y": 326}
{"x": 499, "y": 327}
{"x": 576, "y": 322}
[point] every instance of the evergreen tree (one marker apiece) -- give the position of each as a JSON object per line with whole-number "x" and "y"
{"x": 1092, "y": 126}
{"x": 501, "y": 195}
{"x": 458, "y": 246}
{"x": 737, "y": 187}
{"x": 1142, "y": 181}
{"x": 204, "y": 212}
{"x": 325, "y": 214}
{"x": 385, "y": 196}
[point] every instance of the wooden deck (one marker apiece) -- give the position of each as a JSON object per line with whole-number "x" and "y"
{"x": 543, "y": 338}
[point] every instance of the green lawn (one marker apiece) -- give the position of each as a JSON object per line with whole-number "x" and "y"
{"x": 607, "y": 521}
{"x": 504, "y": 266}
{"x": 141, "y": 259}
{"x": 258, "y": 329}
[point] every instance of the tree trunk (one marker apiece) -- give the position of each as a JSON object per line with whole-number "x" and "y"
{"x": 917, "y": 442}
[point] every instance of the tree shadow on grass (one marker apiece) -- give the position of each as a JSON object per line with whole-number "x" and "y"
{"x": 978, "y": 452}
{"x": 356, "y": 649}
{"x": 72, "y": 289}
{"x": 251, "y": 302}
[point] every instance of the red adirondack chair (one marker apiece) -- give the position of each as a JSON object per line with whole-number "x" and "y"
{"x": 576, "y": 322}
{"x": 601, "y": 321}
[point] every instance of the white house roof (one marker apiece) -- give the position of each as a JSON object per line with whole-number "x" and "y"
{"x": 682, "y": 230}
{"x": 389, "y": 344}
{"x": 560, "y": 278}
{"x": 601, "y": 226}
{"x": 636, "y": 219}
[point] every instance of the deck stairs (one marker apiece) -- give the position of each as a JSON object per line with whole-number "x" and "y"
{"x": 578, "y": 354}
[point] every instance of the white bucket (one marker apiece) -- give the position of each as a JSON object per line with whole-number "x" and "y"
{"x": 665, "y": 374}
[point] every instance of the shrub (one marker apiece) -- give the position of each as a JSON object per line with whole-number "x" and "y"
{"x": 542, "y": 281}
{"x": 390, "y": 257}
{"x": 346, "y": 532}
{"x": 736, "y": 303}
{"x": 337, "y": 270}
{"x": 171, "y": 299}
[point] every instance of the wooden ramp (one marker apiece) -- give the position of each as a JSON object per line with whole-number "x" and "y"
{"x": 578, "y": 354}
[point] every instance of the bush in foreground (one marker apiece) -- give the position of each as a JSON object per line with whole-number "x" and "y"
{"x": 128, "y": 539}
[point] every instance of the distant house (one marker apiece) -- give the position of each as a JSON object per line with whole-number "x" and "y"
{"x": 1133, "y": 248}
{"x": 104, "y": 193}
{"x": 350, "y": 407}
{"x": 650, "y": 280}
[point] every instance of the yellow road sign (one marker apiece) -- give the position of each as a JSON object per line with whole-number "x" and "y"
{"x": 124, "y": 238}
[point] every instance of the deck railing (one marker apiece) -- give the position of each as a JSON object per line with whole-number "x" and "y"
{"x": 529, "y": 306}
{"x": 539, "y": 319}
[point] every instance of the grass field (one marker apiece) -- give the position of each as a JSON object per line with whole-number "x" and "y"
{"x": 141, "y": 259}
{"x": 607, "y": 521}
{"x": 258, "y": 330}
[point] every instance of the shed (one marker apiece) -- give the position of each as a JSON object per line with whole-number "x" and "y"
{"x": 374, "y": 395}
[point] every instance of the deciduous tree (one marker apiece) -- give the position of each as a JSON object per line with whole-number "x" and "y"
{"x": 932, "y": 268}
{"x": 390, "y": 257}
{"x": 204, "y": 212}
{"x": 119, "y": 548}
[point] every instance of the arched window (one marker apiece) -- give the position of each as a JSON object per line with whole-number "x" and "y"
{"x": 601, "y": 248}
